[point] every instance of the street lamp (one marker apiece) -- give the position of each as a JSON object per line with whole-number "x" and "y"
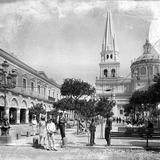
{"x": 7, "y": 80}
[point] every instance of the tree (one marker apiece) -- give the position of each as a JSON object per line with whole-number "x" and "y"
{"x": 64, "y": 104}
{"x": 146, "y": 100}
{"x": 104, "y": 107}
{"x": 87, "y": 109}
{"x": 76, "y": 90}
{"x": 37, "y": 110}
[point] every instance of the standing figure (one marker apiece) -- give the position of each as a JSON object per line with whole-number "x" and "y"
{"x": 61, "y": 125}
{"x": 5, "y": 126}
{"x": 108, "y": 129}
{"x": 34, "y": 125}
{"x": 92, "y": 129}
{"x": 150, "y": 129}
{"x": 42, "y": 131}
{"x": 51, "y": 129}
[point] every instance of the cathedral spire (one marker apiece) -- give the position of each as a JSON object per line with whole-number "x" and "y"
{"x": 109, "y": 41}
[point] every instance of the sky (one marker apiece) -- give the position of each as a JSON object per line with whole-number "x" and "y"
{"x": 63, "y": 38}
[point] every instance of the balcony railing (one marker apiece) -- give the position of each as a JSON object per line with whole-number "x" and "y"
{"x": 51, "y": 99}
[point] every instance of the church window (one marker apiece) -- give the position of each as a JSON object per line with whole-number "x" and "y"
{"x": 113, "y": 71}
{"x": 150, "y": 70}
{"x": 106, "y": 73}
{"x": 111, "y": 56}
{"x": 143, "y": 70}
{"x": 107, "y": 56}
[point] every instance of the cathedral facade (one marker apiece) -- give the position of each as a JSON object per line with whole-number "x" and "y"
{"x": 142, "y": 70}
{"x": 110, "y": 83}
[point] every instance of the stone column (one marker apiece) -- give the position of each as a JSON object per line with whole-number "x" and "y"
{"x": 27, "y": 116}
{"x": 7, "y": 112}
{"x": 18, "y": 116}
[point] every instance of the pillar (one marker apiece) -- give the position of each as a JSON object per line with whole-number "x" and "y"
{"x": 7, "y": 112}
{"x": 18, "y": 116}
{"x": 27, "y": 116}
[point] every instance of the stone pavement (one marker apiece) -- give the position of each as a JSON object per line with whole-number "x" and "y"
{"x": 81, "y": 141}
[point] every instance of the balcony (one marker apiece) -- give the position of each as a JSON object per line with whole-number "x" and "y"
{"x": 51, "y": 99}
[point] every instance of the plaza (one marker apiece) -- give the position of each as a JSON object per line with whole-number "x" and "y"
{"x": 87, "y": 68}
{"x": 77, "y": 148}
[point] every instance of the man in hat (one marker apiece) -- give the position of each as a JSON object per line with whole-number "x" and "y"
{"x": 92, "y": 129}
{"x": 61, "y": 125}
{"x": 108, "y": 129}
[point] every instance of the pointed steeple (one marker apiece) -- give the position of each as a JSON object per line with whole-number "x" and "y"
{"x": 109, "y": 39}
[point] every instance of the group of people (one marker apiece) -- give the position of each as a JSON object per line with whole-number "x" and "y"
{"x": 47, "y": 130}
{"x": 108, "y": 128}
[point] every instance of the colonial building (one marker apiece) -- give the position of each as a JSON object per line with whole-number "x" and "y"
{"x": 32, "y": 87}
{"x": 110, "y": 83}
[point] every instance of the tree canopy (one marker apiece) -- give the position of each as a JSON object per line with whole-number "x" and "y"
{"x": 104, "y": 107}
{"x": 37, "y": 110}
{"x": 76, "y": 88}
{"x": 145, "y": 100}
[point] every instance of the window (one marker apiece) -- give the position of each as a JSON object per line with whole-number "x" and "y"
{"x": 143, "y": 70}
{"x": 113, "y": 71}
{"x": 32, "y": 86}
{"x": 121, "y": 111}
{"x": 156, "y": 69}
{"x": 150, "y": 70}
{"x": 24, "y": 83}
{"x": 39, "y": 89}
{"x": 111, "y": 56}
{"x": 107, "y": 56}
{"x": 106, "y": 73}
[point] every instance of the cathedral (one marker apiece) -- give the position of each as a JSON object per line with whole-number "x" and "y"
{"x": 110, "y": 84}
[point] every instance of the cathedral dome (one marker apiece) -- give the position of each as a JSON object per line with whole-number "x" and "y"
{"x": 146, "y": 66}
{"x": 149, "y": 54}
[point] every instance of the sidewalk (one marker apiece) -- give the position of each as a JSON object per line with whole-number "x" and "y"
{"x": 81, "y": 141}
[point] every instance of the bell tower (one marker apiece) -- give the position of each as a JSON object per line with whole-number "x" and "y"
{"x": 109, "y": 65}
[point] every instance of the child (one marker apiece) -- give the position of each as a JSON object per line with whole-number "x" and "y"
{"x": 51, "y": 129}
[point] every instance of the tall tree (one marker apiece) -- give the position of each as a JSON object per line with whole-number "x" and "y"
{"x": 76, "y": 90}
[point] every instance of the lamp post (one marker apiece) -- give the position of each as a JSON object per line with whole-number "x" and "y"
{"x": 7, "y": 81}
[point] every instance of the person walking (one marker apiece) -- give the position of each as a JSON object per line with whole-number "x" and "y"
{"x": 92, "y": 129}
{"x": 108, "y": 128}
{"x": 42, "y": 131}
{"x": 51, "y": 129}
{"x": 61, "y": 124}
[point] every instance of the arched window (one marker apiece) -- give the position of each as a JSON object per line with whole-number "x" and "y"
{"x": 107, "y": 56}
{"x": 150, "y": 70}
{"x": 113, "y": 73}
{"x": 111, "y": 56}
{"x": 143, "y": 70}
{"x": 106, "y": 73}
